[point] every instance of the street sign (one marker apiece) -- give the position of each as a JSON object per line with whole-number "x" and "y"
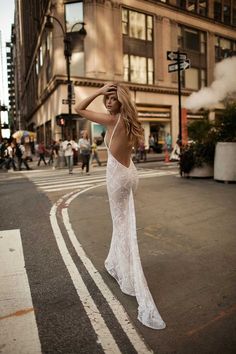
{"x": 67, "y": 101}
{"x": 174, "y": 56}
{"x": 183, "y": 65}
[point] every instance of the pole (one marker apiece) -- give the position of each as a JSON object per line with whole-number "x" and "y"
{"x": 67, "y": 52}
{"x": 179, "y": 96}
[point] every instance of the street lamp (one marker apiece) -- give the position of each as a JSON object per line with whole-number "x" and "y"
{"x": 67, "y": 53}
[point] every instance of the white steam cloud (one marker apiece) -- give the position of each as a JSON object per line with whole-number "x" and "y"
{"x": 223, "y": 85}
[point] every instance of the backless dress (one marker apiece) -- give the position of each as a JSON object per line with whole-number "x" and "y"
{"x": 123, "y": 260}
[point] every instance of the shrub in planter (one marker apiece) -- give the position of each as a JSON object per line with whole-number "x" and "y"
{"x": 202, "y": 148}
{"x": 225, "y": 126}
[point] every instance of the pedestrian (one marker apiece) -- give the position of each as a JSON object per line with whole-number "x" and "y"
{"x": 55, "y": 153}
{"x": 3, "y": 153}
{"x": 168, "y": 142}
{"x": 175, "y": 154}
{"x": 95, "y": 152}
{"x": 85, "y": 151}
{"x": 21, "y": 155}
{"x": 7, "y": 157}
{"x": 68, "y": 146}
{"x": 42, "y": 151}
{"x": 123, "y": 132}
{"x": 11, "y": 156}
{"x": 51, "y": 153}
{"x": 61, "y": 157}
{"x": 151, "y": 142}
{"x": 142, "y": 150}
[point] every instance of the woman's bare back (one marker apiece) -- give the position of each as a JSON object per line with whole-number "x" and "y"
{"x": 120, "y": 146}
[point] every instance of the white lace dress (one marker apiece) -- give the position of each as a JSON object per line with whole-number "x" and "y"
{"x": 123, "y": 261}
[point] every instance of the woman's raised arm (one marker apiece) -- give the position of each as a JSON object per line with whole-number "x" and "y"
{"x": 101, "y": 118}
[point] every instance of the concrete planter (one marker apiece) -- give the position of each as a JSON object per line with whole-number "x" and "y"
{"x": 225, "y": 162}
{"x": 205, "y": 171}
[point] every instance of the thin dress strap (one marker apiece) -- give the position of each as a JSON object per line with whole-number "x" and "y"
{"x": 109, "y": 146}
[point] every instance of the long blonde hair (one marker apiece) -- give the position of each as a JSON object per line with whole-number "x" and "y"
{"x": 129, "y": 114}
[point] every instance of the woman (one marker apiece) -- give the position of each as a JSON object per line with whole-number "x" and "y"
{"x": 123, "y": 132}
{"x": 85, "y": 149}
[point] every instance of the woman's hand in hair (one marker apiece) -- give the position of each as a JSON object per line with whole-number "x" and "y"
{"x": 108, "y": 89}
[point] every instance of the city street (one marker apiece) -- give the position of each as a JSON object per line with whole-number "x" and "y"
{"x": 52, "y": 261}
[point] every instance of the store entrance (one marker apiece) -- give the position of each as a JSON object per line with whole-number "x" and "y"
{"x": 157, "y": 130}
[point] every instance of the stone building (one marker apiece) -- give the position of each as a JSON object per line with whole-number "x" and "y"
{"x": 127, "y": 41}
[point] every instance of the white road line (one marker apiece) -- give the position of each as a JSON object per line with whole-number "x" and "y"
{"x": 60, "y": 182}
{"x": 104, "y": 335}
{"x": 45, "y": 182}
{"x": 65, "y": 187}
{"x": 114, "y": 304}
{"x": 19, "y": 333}
{"x": 70, "y": 181}
{"x": 78, "y": 183}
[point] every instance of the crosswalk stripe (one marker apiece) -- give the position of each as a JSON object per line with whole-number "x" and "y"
{"x": 66, "y": 187}
{"x": 63, "y": 181}
{"x": 91, "y": 179}
{"x": 69, "y": 181}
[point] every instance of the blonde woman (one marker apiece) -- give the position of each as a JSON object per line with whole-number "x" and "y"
{"x": 123, "y": 132}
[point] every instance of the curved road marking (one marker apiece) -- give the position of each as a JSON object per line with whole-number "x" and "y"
{"x": 106, "y": 340}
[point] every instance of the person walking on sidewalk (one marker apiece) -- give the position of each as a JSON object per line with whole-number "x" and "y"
{"x": 123, "y": 132}
{"x": 68, "y": 146}
{"x": 22, "y": 158}
{"x": 94, "y": 148}
{"x": 42, "y": 151}
{"x": 85, "y": 150}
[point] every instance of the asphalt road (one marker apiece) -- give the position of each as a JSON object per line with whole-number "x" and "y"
{"x": 186, "y": 233}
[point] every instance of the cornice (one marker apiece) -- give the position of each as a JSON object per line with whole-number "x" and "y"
{"x": 57, "y": 81}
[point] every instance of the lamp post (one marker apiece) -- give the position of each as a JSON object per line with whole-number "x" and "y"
{"x": 68, "y": 54}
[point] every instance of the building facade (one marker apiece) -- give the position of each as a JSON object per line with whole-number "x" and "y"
{"x": 126, "y": 41}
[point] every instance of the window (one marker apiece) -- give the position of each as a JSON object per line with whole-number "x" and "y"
{"x": 149, "y": 28}
{"x": 191, "y": 80}
{"x": 182, "y": 4}
{"x": 138, "y": 69}
{"x": 137, "y": 25}
{"x": 194, "y": 78}
{"x": 202, "y": 43}
{"x": 197, "y": 6}
{"x": 234, "y": 16}
{"x": 137, "y": 29}
{"x": 191, "y": 39}
{"x": 73, "y": 15}
{"x": 203, "y": 7}
{"x": 226, "y": 11}
{"x": 217, "y": 10}
{"x": 125, "y": 21}
{"x": 192, "y": 5}
{"x": 203, "y": 78}
{"x": 224, "y": 48}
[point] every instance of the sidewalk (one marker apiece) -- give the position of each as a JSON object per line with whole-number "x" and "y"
{"x": 186, "y": 234}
